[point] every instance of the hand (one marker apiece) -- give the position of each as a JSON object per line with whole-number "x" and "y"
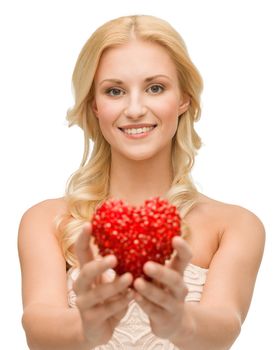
{"x": 101, "y": 303}
{"x": 162, "y": 299}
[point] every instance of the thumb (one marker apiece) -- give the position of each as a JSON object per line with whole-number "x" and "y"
{"x": 82, "y": 246}
{"x": 181, "y": 255}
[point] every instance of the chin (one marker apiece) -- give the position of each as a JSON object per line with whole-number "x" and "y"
{"x": 141, "y": 157}
{"x": 138, "y": 158}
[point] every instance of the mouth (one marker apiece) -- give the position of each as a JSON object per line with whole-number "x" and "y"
{"x": 138, "y": 131}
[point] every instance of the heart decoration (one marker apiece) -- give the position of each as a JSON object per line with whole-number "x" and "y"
{"x": 136, "y": 235}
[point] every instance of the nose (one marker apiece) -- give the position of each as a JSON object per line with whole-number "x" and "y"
{"x": 135, "y": 107}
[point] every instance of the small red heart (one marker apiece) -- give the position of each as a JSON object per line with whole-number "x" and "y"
{"x": 136, "y": 235}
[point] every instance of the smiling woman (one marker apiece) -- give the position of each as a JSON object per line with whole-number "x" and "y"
{"x": 144, "y": 93}
{"x": 137, "y": 97}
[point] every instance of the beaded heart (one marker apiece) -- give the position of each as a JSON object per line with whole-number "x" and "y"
{"x": 136, "y": 235}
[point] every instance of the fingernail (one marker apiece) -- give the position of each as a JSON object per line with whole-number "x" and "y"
{"x": 140, "y": 284}
{"x": 125, "y": 278}
{"x": 151, "y": 268}
{"x": 110, "y": 259}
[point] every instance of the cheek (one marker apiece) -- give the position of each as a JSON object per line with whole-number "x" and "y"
{"x": 107, "y": 113}
{"x": 167, "y": 111}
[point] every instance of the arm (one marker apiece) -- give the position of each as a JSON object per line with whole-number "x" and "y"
{"x": 48, "y": 321}
{"x": 215, "y": 322}
{"x": 53, "y": 327}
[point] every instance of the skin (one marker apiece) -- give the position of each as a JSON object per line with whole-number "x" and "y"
{"x": 219, "y": 233}
{"x": 136, "y": 163}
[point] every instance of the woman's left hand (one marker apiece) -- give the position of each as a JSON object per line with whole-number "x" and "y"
{"x": 162, "y": 299}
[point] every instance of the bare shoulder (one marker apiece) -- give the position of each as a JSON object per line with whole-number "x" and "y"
{"x": 47, "y": 211}
{"x": 41, "y": 219}
{"x": 41, "y": 258}
{"x": 229, "y": 215}
{"x": 212, "y": 223}
{"x": 50, "y": 206}
{"x": 240, "y": 237}
{"x": 236, "y": 227}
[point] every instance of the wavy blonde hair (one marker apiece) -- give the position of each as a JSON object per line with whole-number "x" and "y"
{"x": 88, "y": 187}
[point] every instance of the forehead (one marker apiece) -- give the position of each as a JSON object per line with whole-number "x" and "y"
{"x": 136, "y": 58}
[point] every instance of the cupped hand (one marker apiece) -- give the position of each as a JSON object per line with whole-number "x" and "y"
{"x": 101, "y": 303}
{"x": 162, "y": 298}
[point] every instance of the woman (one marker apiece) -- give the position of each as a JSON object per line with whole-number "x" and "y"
{"x": 137, "y": 96}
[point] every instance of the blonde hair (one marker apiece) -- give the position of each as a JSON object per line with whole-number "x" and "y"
{"x": 88, "y": 187}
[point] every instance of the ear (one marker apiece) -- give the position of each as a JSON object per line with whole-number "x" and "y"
{"x": 94, "y": 108}
{"x": 184, "y": 103}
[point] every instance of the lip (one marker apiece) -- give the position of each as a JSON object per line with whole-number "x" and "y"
{"x": 136, "y": 126}
{"x": 137, "y": 136}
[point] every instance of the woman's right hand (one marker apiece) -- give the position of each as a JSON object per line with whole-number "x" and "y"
{"x": 102, "y": 304}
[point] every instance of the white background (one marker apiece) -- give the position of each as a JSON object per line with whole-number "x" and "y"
{"x": 233, "y": 44}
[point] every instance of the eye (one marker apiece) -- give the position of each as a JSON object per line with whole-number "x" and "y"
{"x": 156, "y": 89}
{"x": 114, "y": 92}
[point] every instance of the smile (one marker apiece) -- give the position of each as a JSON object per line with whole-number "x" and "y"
{"x": 138, "y": 132}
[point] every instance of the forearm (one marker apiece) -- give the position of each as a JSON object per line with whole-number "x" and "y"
{"x": 205, "y": 328}
{"x": 48, "y": 327}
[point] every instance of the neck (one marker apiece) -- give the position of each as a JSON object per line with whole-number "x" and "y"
{"x": 136, "y": 181}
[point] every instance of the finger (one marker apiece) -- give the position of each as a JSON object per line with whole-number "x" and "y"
{"x": 182, "y": 255}
{"x": 167, "y": 278}
{"x": 117, "y": 317}
{"x": 110, "y": 310}
{"x": 105, "y": 292}
{"x": 82, "y": 246}
{"x": 149, "y": 308}
{"x": 92, "y": 270}
{"x": 158, "y": 296}
{"x": 109, "y": 276}
{"x": 114, "y": 308}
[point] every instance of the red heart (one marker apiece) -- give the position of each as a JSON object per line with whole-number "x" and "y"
{"x": 136, "y": 234}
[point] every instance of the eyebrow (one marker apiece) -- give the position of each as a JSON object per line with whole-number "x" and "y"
{"x": 147, "y": 80}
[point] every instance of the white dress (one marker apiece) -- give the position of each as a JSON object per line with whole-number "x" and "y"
{"x": 133, "y": 331}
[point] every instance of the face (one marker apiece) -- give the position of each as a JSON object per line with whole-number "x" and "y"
{"x": 137, "y": 99}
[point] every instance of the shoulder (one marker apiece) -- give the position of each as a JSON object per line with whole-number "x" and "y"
{"x": 236, "y": 260}
{"x": 38, "y": 228}
{"x": 234, "y": 222}
{"x": 48, "y": 207}
{"x": 228, "y": 215}
{"x": 40, "y": 254}
{"x": 44, "y": 212}
{"x": 216, "y": 226}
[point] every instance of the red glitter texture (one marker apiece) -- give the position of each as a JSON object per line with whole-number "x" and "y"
{"x": 136, "y": 235}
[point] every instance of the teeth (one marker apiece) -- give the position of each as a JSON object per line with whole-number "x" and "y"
{"x": 138, "y": 131}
